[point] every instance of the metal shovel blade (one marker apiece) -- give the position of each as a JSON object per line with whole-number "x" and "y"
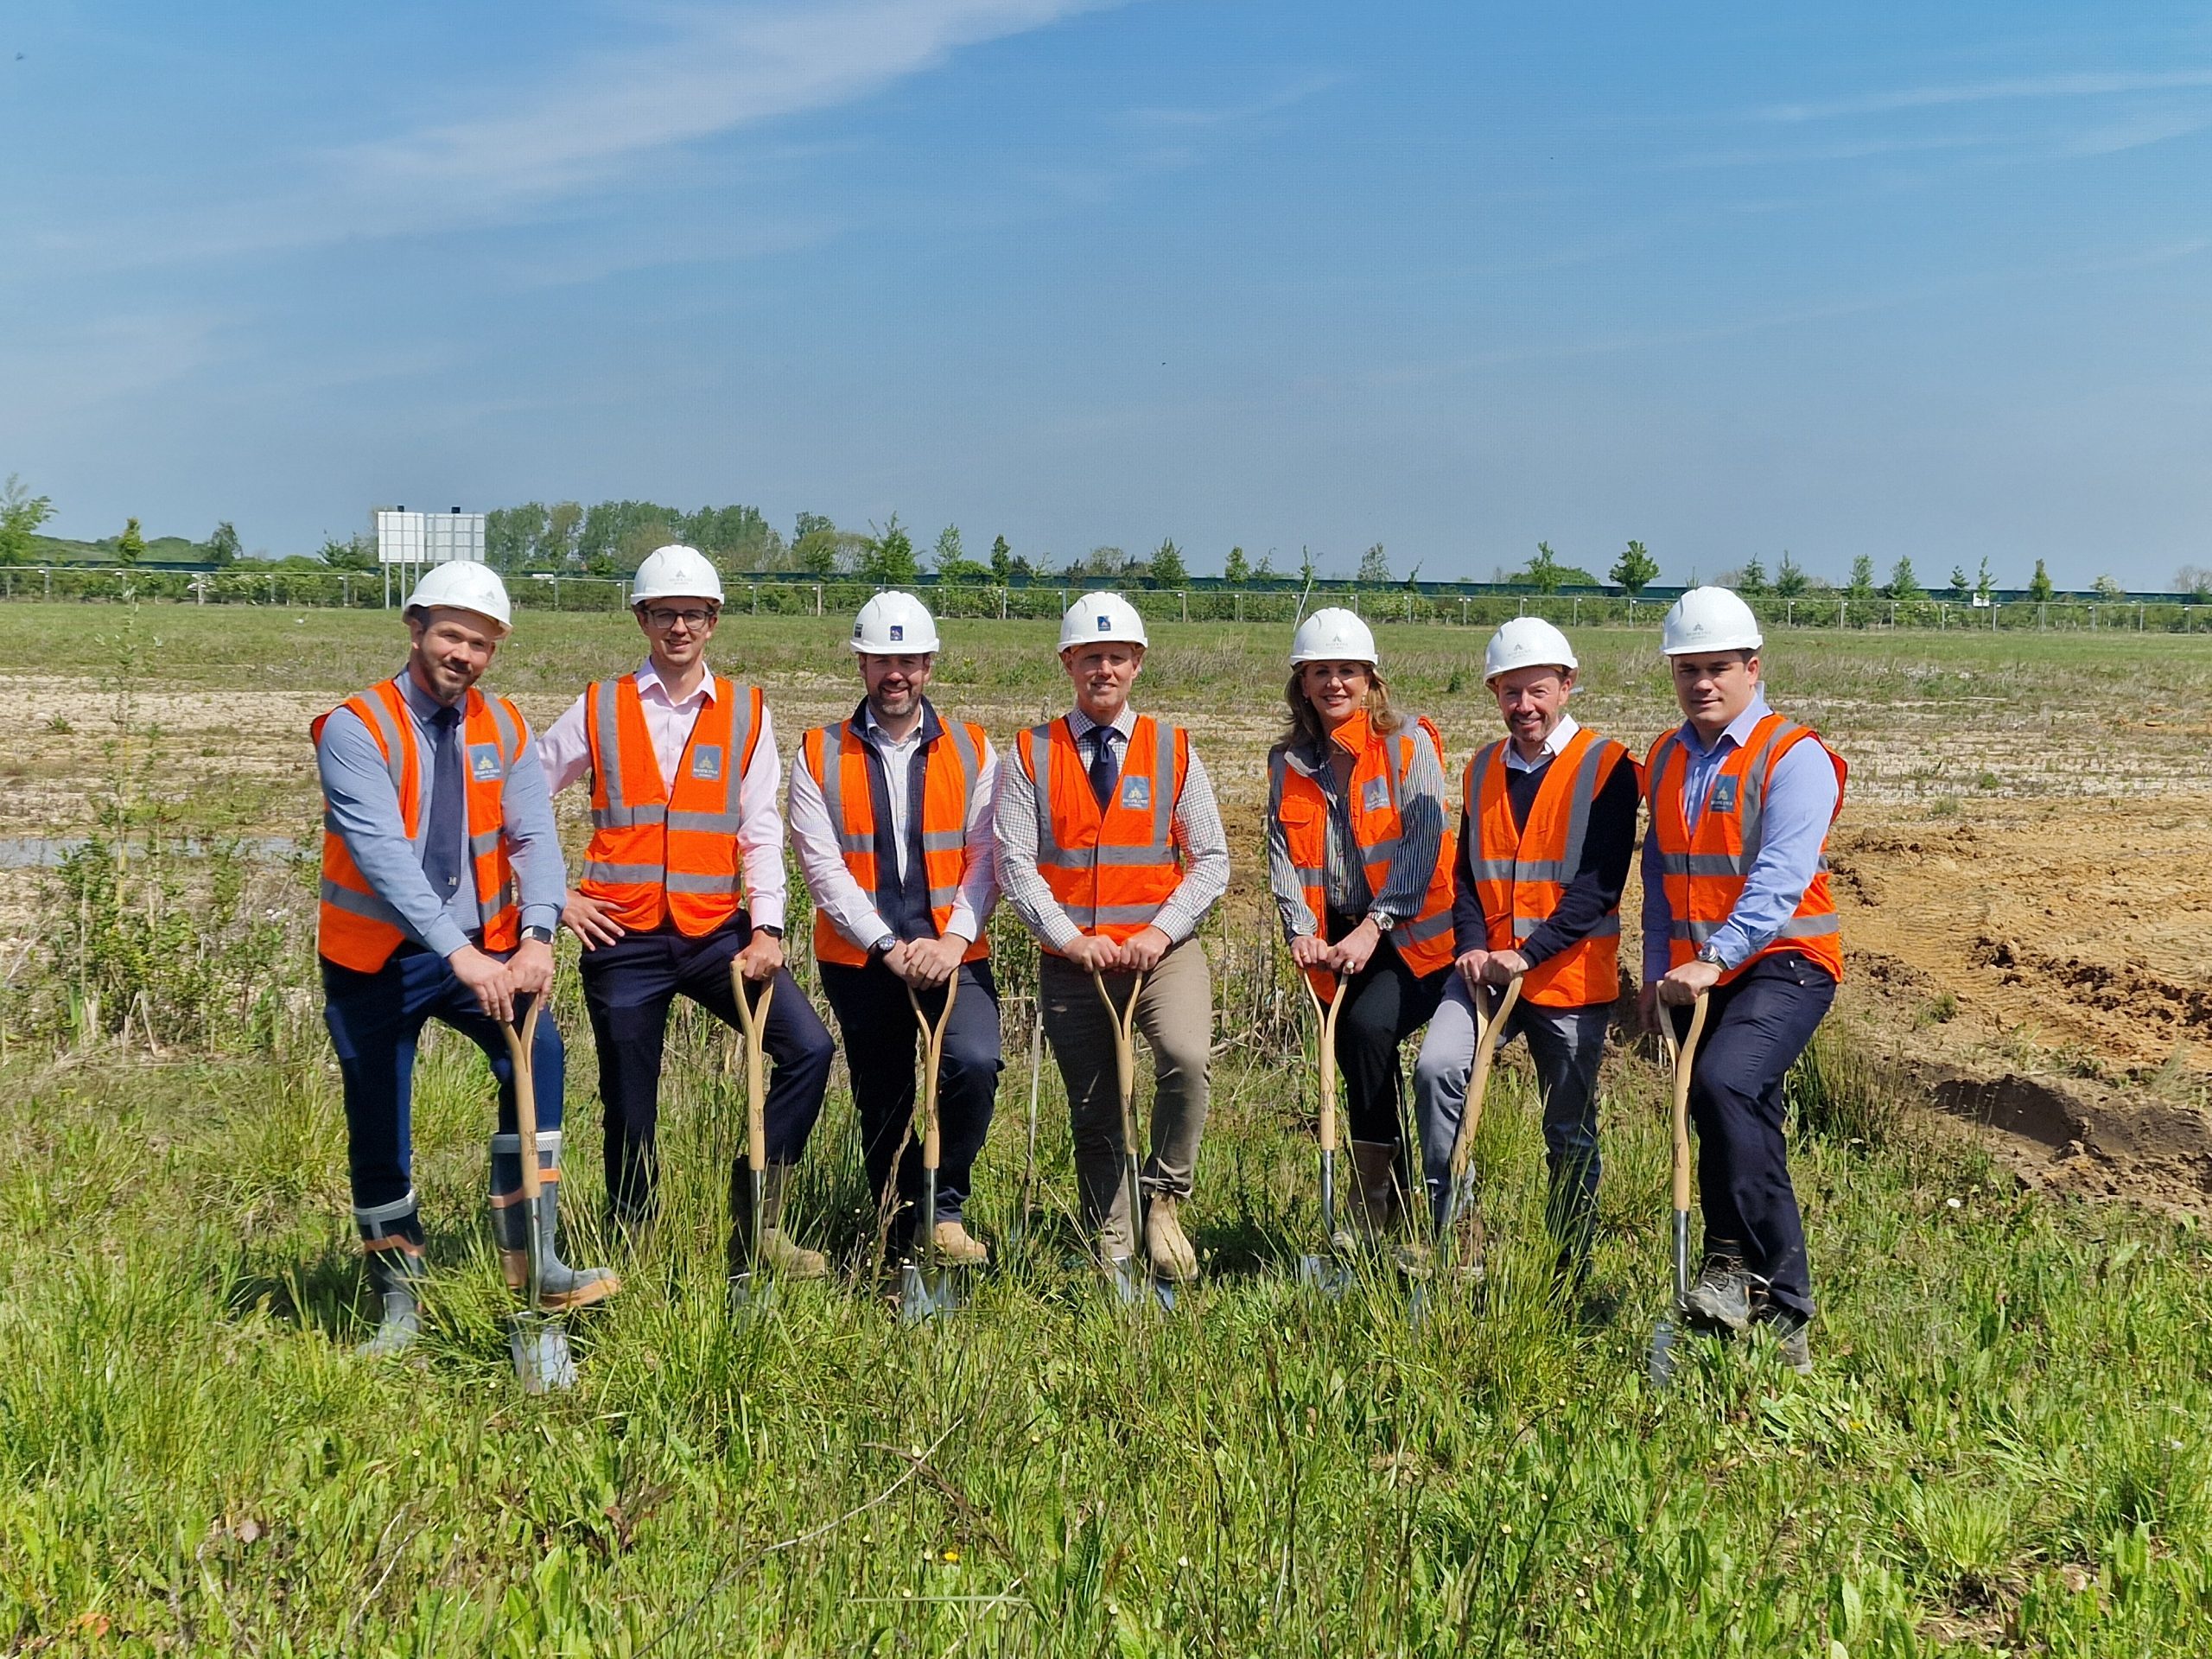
{"x": 1324, "y": 1274}
{"x": 542, "y": 1362}
{"x": 751, "y": 1291}
{"x": 924, "y": 1293}
{"x": 1660, "y": 1365}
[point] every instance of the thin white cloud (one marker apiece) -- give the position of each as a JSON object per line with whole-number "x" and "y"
{"x": 2107, "y": 85}
{"x": 1194, "y": 117}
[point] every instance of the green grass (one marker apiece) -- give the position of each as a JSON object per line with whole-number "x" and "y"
{"x": 2004, "y": 1447}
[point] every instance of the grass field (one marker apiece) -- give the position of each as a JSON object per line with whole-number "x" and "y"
{"x": 2005, "y": 1448}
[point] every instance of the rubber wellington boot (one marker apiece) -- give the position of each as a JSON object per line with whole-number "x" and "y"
{"x": 1373, "y": 1211}
{"x": 1173, "y": 1258}
{"x": 392, "y": 1234}
{"x": 774, "y": 1250}
{"x": 560, "y": 1285}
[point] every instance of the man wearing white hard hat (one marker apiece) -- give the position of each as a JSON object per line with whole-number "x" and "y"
{"x": 891, "y": 815}
{"x": 1546, "y": 832}
{"x": 1359, "y": 862}
{"x": 1111, "y": 851}
{"x": 1737, "y": 909}
{"x": 685, "y": 875}
{"x": 441, "y": 885}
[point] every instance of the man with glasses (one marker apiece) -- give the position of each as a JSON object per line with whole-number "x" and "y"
{"x": 685, "y": 874}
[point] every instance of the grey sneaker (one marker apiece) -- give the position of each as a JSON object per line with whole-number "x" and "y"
{"x": 1723, "y": 1296}
{"x": 1792, "y": 1340}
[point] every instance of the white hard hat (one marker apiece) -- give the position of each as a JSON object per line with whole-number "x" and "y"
{"x": 1098, "y": 617}
{"x": 894, "y": 625}
{"x": 463, "y": 585}
{"x": 1333, "y": 635}
{"x": 676, "y": 572}
{"x": 1527, "y": 642}
{"x": 1708, "y": 619}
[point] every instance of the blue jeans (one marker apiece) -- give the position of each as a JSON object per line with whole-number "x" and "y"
{"x": 1755, "y": 1028}
{"x": 374, "y": 1021}
{"x": 1566, "y": 1045}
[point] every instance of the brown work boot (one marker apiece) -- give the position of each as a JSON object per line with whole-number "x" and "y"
{"x": 1374, "y": 1210}
{"x": 774, "y": 1250}
{"x": 1466, "y": 1247}
{"x": 1173, "y": 1258}
{"x": 957, "y": 1247}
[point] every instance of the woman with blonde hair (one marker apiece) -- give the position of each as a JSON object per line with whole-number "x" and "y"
{"x": 1359, "y": 860}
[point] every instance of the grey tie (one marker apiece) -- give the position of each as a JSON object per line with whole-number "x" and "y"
{"x": 1104, "y": 773}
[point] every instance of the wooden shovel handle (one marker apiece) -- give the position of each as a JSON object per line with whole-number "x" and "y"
{"x": 519, "y": 1039}
{"x": 1683, "y": 1054}
{"x": 753, "y": 1019}
{"x": 1471, "y": 1112}
{"x": 932, "y": 1060}
{"x": 1326, "y": 1014}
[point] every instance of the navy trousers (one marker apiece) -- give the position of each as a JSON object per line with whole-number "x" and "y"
{"x": 374, "y": 1021}
{"x": 629, "y": 987}
{"x": 882, "y": 1045}
{"x": 1755, "y": 1028}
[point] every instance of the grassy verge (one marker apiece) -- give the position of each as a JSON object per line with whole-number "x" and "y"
{"x": 2005, "y": 1446}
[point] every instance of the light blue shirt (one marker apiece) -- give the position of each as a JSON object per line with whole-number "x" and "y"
{"x": 1801, "y": 801}
{"x": 365, "y": 810}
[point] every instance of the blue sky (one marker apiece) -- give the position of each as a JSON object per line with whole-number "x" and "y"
{"x": 1925, "y": 280}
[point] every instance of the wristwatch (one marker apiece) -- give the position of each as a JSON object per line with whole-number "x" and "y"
{"x": 537, "y": 935}
{"x": 1383, "y": 924}
{"x": 773, "y": 932}
{"x": 1710, "y": 955}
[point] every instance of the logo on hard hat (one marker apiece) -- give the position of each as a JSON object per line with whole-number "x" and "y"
{"x": 898, "y": 630}
{"x": 1105, "y": 623}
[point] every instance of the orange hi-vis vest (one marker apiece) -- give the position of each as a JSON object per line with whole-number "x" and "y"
{"x": 657, "y": 853}
{"x": 1381, "y": 765}
{"x": 1522, "y": 871}
{"x": 356, "y": 928}
{"x": 1705, "y": 871}
{"x": 836, "y": 757}
{"x": 1112, "y": 871}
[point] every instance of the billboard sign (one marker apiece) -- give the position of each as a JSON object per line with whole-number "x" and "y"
{"x": 413, "y": 538}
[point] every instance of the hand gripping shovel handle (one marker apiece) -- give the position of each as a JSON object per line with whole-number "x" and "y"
{"x": 932, "y": 1144}
{"x": 520, "y": 1037}
{"x": 1125, "y": 1074}
{"x": 1682, "y": 1055}
{"x": 1486, "y": 1029}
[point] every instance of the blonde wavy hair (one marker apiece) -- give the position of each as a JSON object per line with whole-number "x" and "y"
{"x": 1305, "y": 728}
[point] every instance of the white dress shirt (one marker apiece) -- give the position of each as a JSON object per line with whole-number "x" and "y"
{"x": 565, "y": 752}
{"x": 1555, "y": 746}
{"x": 851, "y": 907}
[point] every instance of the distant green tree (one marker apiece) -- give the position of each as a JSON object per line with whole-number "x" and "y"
{"x": 1750, "y": 580}
{"x": 1960, "y": 587}
{"x": 1861, "y": 590}
{"x": 1375, "y": 566}
{"x": 1543, "y": 571}
{"x": 359, "y": 553}
{"x": 1903, "y": 583}
{"x": 1635, "y": 569}
{"x": 1789, "y": 582}
{"x": 512, "y": 536}
{"x": 1002, "y": 561}
{"x": 221, "y": 546}
{"x": 1984, "y": 585}
{"x": 1306, "y": 571}
{"x": 815, "y": 544}
{"x": 1265, "y": 569}
{"x": 2039, "y": 587}
{"x": 1167, "y": 568}
{"x": 1238, "y": 569}
{"x": 953, "y": 565}
{"x": 2108, "y": 588}
{"x": 130, "y": 546}
{"x": 2194, "y": 583}
{"x": 20, "y": 514}
{"x": 888, "y": 558}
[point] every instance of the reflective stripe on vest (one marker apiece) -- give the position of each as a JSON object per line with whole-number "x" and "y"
{"x": 1111, "y": 872}
{"x": 654, "y": 855}
{"x": 355, "y": 928}
{"x": 1522, "y": 871}
{"x": 1704, "y": 870}
{"x": 1298, "y": 802}
{"x": 836, "y": 757}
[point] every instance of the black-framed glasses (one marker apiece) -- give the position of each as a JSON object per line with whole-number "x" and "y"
{"x": 661, "y": 617}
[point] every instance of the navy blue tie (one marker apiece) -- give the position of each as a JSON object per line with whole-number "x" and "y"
{"x": 1103, "y": 772}
{"x": 441, "y": 836}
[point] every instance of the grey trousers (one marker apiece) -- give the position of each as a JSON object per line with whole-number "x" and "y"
{"x": 1566, "y": 1044}
{"x": 1175, "y": 1016}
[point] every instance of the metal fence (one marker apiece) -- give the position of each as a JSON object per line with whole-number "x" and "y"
{"x": 366, "y": 590}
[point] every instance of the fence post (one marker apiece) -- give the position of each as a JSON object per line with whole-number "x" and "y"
{"x": 1185, "y": 599}
{"x": 1578, "y": 613}
{"x": 756, "y": 598}
{"x": 1240, "y": 604}
{"x": 1001, "y": 604}
{"x": 817, "y": 599}
{"x": 49, "y": 581}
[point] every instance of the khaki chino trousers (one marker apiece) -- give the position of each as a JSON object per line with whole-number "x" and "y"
{"x": 1175, "y": 1017}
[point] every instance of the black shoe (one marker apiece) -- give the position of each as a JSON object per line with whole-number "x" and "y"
{"x": 1723, "y": 1296}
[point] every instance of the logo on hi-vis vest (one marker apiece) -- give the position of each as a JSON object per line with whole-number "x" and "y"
{"x": 707, "y": 760}
{"x": 1137, "y": 794}
{"x": 484, "y": 761}
{"x": 1376, "y": 796}
{"x": 1723, "y": 796}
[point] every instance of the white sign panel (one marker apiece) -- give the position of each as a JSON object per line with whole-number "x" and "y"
{"x": 404, "y": 537}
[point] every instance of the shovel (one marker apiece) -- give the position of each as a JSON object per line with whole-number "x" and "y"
{"x": 1020, "y": 1235}
{"x": 748, "y": 1287}
{"x": 1131, "y": 1271}
{"x": 927, "y": 1288}
{"x": 1459, "y": 1185}
{"x": 542, "y": 1362}
{"x": 1683, "y": 1054}
{"x": 1326, "y": 1272}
